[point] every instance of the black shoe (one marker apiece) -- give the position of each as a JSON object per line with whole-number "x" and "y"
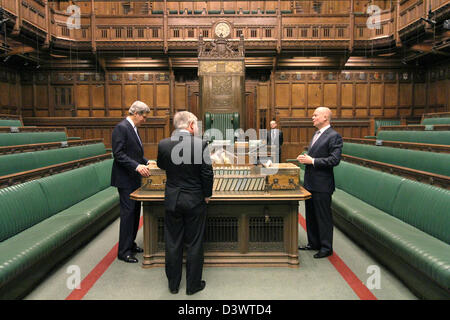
{"x": 322, "y": 254}
{"x": 137, "y": 250}
{"x": 307, "y": 247}
{"x": 129, "y": 259}
{"x": 174, "y": 291}
{"x": 202, "y": 286}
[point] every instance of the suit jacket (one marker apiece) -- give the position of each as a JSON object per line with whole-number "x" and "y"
{"x": 326, "y": 152}
{"x": 188, "y": 168}
{"x": 280, "y": 139}
{"x": 128, "y": 154}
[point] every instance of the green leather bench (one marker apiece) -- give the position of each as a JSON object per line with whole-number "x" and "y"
{"x": 10, "y": 123}
{"x": 433, "y": 137}
{"x": 443, "y": 120}
{"x": 43, "y": 221}
{"x": 385, "y": 122}
{"x": 433, "y": 162}
{"x": 404, "y": 223}
{"x": 18, "y": 162}
{"x": 19, "y": 138}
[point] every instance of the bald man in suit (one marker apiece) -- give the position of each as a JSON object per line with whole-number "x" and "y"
{"x": 324, "y": 153}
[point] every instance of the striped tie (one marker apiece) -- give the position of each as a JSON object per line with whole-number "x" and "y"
{"x": 316, "y": 136}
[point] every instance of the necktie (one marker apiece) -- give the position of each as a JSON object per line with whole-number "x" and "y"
{"x": 316, "y": 136}
{"x": 135, "y": 130}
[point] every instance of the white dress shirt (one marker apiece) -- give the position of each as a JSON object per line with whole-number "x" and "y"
{"x": 318, "y": 133}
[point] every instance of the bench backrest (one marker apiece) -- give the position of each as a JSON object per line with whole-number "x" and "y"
{"x": 434, "y": 162}
{"x": 10, "y": 123}
{"x": 433, "y": 137}
{"x": 18, "y": 162}
{"x": 423, "y": 206}
{"x": 19, "y": 138}
{"x": 26, "y": 204}
{"x": 443, "y": 120}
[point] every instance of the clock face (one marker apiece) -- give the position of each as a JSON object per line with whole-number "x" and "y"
{"x": 222, "y": 30}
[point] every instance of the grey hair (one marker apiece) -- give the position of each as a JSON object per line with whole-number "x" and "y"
{"x": 182, "y": 119}
{"x": 138, "y": 107}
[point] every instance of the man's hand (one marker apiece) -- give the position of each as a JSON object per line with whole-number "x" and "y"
{"x": 305, "y": 159}
{"x": 143, "y": 170}
{"x": 207, "y": 199}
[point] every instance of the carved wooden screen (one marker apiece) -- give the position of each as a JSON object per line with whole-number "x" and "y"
{"x": 222, "y": 78}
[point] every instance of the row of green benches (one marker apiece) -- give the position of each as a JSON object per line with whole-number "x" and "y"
{"x": 404, "y": 223}
{"x": 43, "y": 221}
{"x": 433, "y": 162}
{"x": 433, "y": 137}
{"x": 24, "y": 161}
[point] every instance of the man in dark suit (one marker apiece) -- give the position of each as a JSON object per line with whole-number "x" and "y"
{"x": 128, "y": 167}
{"x": 186, "y": 159}
{"x": 275, "y": 139}
{"x": 324, "y": 153}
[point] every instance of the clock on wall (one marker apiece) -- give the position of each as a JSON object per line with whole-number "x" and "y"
{"x": 222, "y": 30}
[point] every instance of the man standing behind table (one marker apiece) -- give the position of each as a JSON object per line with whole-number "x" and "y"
{"x": 275, "y": 139}
{"x": 324, "y": 153}
{"x": 128, "y": 167}
{"x": 186, "y": 159}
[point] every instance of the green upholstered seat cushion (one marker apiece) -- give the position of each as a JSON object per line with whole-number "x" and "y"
{"x": 21, "y": 207}
{"x": 425, "y": 207}
{"x": 27, "y": 247}
{"x": 418, "y": 248}
{"x": 10, "y": 123}
{"x": 68, "y": 188}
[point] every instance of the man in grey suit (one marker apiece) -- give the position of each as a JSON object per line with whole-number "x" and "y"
{"x": 324, "y": 153}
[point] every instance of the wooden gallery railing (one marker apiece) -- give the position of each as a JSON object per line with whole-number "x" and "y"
{"x": 151, "y": 132}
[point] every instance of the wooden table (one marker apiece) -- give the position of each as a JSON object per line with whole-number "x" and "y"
{"x": 253, "y": 228}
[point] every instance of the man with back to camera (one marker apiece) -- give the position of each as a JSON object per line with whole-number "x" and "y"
{"x": 324, "y": 153}
{"x": 128, "y": 167}
{"x": 186, "y": 159}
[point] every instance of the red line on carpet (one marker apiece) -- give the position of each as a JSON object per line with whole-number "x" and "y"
{"x": 97, "y": 272}
{"x": 352, "y": 280}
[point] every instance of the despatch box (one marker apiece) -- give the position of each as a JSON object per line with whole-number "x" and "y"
{"x": 279, "y": 176}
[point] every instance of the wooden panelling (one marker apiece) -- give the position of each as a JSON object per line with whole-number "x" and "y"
{"x": 361, "y": 95}
{"x": 115, "y": 96}
{"x": 405, "y": 94}
{"x": 82, "y": 92}
{"x": 376, "y": 95}
{"x": 180, "y": 97}
{"x": 162, "y": 95}
{"x": 420, "y": 94}
{"x": 263, "y": 96}
{"x": 147, "y": 94}
{"x": 314, "y": 95}
{"x": 330, "y": 95}
{"x": 282, "y": 94}
{"x": 298, "y": 95}
{"x": 130, "y": 91}
{"x": 347, "y": 94}
{"x": 391, "y": 94}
